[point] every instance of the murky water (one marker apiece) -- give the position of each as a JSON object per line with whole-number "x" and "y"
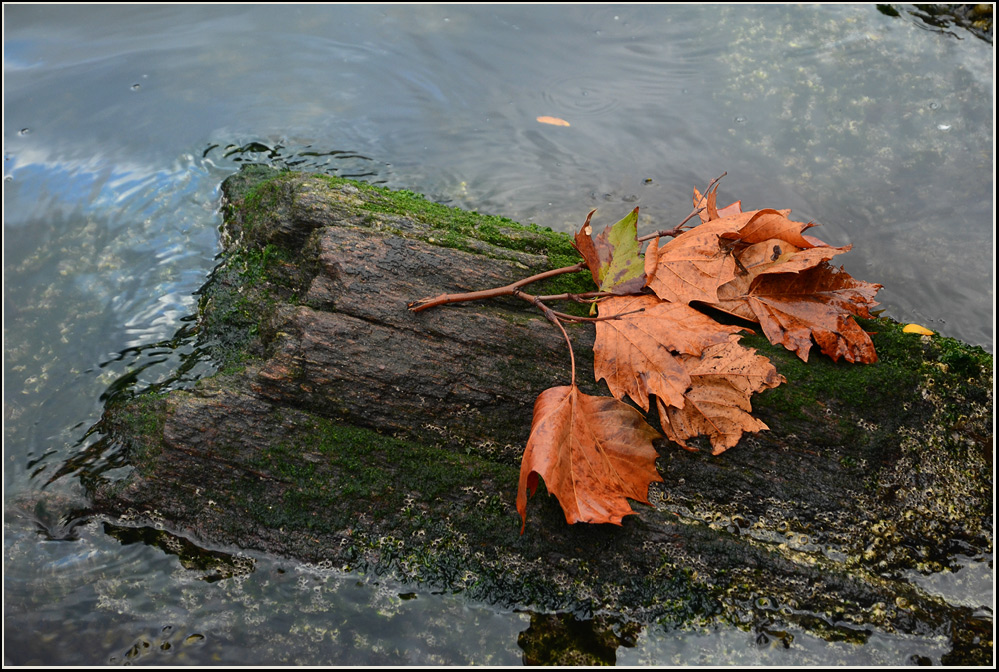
{"x": 120, "y": 123}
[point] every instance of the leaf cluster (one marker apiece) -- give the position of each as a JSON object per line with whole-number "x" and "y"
{"x": 655, "y": 341}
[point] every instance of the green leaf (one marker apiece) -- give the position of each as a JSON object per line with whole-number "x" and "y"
{"x": 615, "y": 257}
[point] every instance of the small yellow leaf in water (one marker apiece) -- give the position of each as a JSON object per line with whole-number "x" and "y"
{"x": 554, "y": 121}
{"x": 916, "y": 329}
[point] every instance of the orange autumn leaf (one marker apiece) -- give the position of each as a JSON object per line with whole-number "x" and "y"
{"x": 693, "y": 265}
{"x": 554, "y": 121}
{"x": 711, "y": 210}
{"x": 769, "y": 256}
{"x": 767, "y": 224}
{"x": 717, "y": 403}
{"x": 638, "y": 353}
{"x": 594, "y": 454}
{"x": 787, "y": 285}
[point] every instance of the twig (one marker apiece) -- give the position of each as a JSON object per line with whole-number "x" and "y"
{"x": 585, "y": 297}
{"x": 443, "y": 299}
{"x": 675, "y": 231}
{"x": 539, "y": 302}
{"x": 698, "y": 209}
{"x": 552, "y": 317}
{"x": 577, "y": 318}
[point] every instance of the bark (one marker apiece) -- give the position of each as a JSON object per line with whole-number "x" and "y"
{"x": 345, "y": 428}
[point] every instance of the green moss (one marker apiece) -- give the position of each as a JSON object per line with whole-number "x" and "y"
{"x": 237, "y": 304}
{"x": 143, "y": 420}
{"x": 333, "y": 462}
{"x": 262, "y": 199}
{"x": 262, "y": 203}
{"x": 455, "y": 226}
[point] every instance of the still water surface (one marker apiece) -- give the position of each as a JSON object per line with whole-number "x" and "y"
{"x": 120, "y": 123}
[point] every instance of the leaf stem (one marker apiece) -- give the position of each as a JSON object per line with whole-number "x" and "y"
{"x": 552, "y": 317}
{"x": 586, "y": 297}
{"x": 572, "y": 357}
{"x": 577, "y": 318}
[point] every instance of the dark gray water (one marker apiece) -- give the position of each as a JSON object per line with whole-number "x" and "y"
{"x": 120, "y": 123}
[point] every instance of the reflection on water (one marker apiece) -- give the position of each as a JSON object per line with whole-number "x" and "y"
{"x": 157, "y": 599}
{"x": 119, "y": 129}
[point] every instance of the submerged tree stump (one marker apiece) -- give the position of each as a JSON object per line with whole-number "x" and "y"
{"x": 344, "y": 428}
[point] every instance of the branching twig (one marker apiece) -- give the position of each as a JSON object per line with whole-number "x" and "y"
{"x": 552, "y": 317}
{"x": 539, "y": 302}
{"x": 585, "y": 297}
{"x": 430, "y": 302}
{"x": 577, "y": 318}
{"x": 698, "y": 209}
{"x": 675, "y": 231}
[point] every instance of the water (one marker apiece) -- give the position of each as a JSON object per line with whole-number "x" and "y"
{"x": 120, "y": 123}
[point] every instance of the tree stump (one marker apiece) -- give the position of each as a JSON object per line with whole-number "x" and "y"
{"x": 342, "y": 427}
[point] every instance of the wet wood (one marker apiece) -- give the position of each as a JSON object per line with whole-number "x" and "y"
{"x": 348, "y": 429}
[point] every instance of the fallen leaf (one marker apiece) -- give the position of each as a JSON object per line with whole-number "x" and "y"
{"x": 637, "y": 354}
{"x": 723, "y": 379}
{"x": 818, "y": 303}
{"x": 615, "y": 259}
{"x": 768, "y": 224}
{"x": 693, "y": 265}
{"x": 769, "y": 256}
{"x": 917, "y": 329}
{"x": 594, "y": 454}
{"x": 554, "y": 121}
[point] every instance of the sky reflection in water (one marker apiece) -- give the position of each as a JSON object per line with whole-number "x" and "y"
{"x": 121, "y": 122}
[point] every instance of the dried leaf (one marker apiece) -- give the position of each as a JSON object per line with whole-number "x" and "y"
{"x": 711, "y": 210}
{"x": 637, "y": 354}
{"x": 718, "y": 404}
{"x": 554, "y": 121}
{"x": 770, "y": 256}
{"x": 693, "y": 265}
{"x": 818, "y": 303}
{"x": 594, "y": 453}
{"x": 767, "y": 224}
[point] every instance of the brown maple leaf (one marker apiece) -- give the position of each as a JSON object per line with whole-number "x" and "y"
{"x": 594, "y": 453}
{"x": 769, "y": 256}
{"x": 818, "y": 303}
{"x": 787, "y": 285}
{"x": 768, "y": 224}
{"x": 723, "y": 379}
{"x": 693, "y": 265}
{"x": 637, "y": 353}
